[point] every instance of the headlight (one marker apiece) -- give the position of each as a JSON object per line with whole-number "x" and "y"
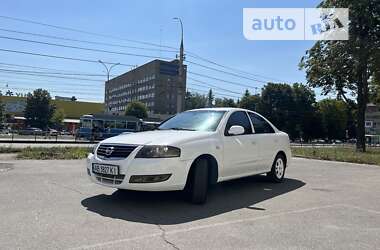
{"x": 158, "y": 152}
{"x": 94, "y": 148}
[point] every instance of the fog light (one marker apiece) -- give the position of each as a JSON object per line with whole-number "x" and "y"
{"x": 149, "y": 178}
{"x": 88, "y": 172}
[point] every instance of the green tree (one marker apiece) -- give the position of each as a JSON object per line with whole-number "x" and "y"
{"x": 292, "y": 108}
{"x": 225, "y": 102}
{"x": 334, "y": 118}
{"x": 304, "y": 116}
{"x": 57, "y": 118}
{"x": 137, "y": 109}
{"x": 195, "y": 101}
{"x": 249, "y": 101}
{"x": 38, "y": 110}
{"x": 347, "y": 66}
{"x": 277, "y": 104}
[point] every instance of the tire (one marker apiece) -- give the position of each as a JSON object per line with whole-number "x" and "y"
{"x": 277, "y": 172}
{"x": 197, "y": 185}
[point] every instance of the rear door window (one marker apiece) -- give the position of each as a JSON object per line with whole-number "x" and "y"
{"x": 260, "y": 125}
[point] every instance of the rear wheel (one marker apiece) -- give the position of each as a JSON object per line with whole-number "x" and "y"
{"x": 277, "y": 172}
{"x": 197, "y": 185}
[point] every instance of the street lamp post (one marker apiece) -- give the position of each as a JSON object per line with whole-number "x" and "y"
{"x": 181, "y": 87}
{"x": 108, "y": 70}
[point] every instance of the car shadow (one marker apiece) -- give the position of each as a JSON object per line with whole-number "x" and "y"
{"x": 167, "y": 208}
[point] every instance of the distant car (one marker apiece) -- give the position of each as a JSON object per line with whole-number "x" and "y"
{"x": 352, "y": 140}
{"x": 5, "y": 131}
{"x": 31, "y": 131}
{"x": 65, "y": 132}
{"x": 53, "y": 132}
{"x": 319, "y": 141}
{"x": 191, "y": 151}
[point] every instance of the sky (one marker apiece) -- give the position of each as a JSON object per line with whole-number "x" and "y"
{"x": 212, "y": 29}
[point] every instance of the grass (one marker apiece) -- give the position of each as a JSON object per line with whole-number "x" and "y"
{"x": 9, "y": 150}
{"x": 53, "y": 153}
{"x": 372, "y": 156}
{"x": 344, "y": 154}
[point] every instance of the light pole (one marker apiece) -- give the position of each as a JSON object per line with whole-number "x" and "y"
{"x": 108, "y": 70}
{"x": 181, "y": 86}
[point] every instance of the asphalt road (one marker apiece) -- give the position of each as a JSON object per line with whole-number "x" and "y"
{"x": 321, "y": 205}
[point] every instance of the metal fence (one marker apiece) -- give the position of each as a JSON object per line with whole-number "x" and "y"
{"x": 35, "y": 137}
{"x": 331, "y": 145}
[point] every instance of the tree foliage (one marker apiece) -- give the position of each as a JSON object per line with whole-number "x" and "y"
{"x": 225, "y": 102}
{"x": 195, "y": 101}
{"x": 334, "y": 117}
{"x": 293, "y": 109}
{"x": 277, "y": 103}
{"x": 345, "y": 67}
{"x": 249, "y": 101}
{"x": 305, "y": 114}
{"x": 57, "y": 118}
{"x": 137, "y": 109}
{"x": 38, "y": 110}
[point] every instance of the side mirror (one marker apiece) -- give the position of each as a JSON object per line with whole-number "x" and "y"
{"x": 236, "y": 130}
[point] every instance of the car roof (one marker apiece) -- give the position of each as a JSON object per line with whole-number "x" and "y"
{"x": 219, "y": 109}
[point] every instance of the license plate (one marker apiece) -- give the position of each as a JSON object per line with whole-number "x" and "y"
{"x": 105, "y": 169}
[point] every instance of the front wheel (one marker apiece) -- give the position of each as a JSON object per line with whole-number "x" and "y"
{"x": 277, "y": 172}
{"x": 197, "y": 185}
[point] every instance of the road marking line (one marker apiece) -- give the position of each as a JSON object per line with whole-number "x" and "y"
{"x": 362, "y": 208}
{"x": 117, "y": 241}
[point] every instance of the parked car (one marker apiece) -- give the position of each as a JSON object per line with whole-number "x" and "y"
{"x": 320, "y": 141}
{"x": 352, "y": 140}
{"x": 5, "y": 131}
{"x": 337, "y": 141}
{"x": 31, "y": 131}
{"x": 53, "y": 132}
{"x": 191, "y": 151}
{"x": 65, "y": 132}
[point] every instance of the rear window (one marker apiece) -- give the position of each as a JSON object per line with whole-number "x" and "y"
{"x": 260, "y": 125}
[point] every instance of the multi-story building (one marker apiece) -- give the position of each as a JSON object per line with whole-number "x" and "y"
{"x": 372, "y": 119}
{"x": 157, "y": 84}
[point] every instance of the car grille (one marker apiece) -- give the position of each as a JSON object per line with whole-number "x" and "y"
{"x": 110, "y": 179}
{"x": 114, "y": 151}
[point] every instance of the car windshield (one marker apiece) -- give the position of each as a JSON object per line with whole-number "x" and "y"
{"x": 204, "y": 120}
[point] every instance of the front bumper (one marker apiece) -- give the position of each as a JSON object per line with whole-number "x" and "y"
{"x": 131, "y": 166}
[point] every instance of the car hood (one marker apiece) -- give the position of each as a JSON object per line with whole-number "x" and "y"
{"x": 158, "y": 137}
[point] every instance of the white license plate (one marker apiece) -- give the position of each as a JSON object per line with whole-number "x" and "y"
{"x": 105, "y": 169}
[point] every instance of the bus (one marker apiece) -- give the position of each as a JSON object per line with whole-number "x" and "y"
{"x": 102, "y": 126}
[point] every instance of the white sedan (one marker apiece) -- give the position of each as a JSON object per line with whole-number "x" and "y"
{"x": 192, "y": 151}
